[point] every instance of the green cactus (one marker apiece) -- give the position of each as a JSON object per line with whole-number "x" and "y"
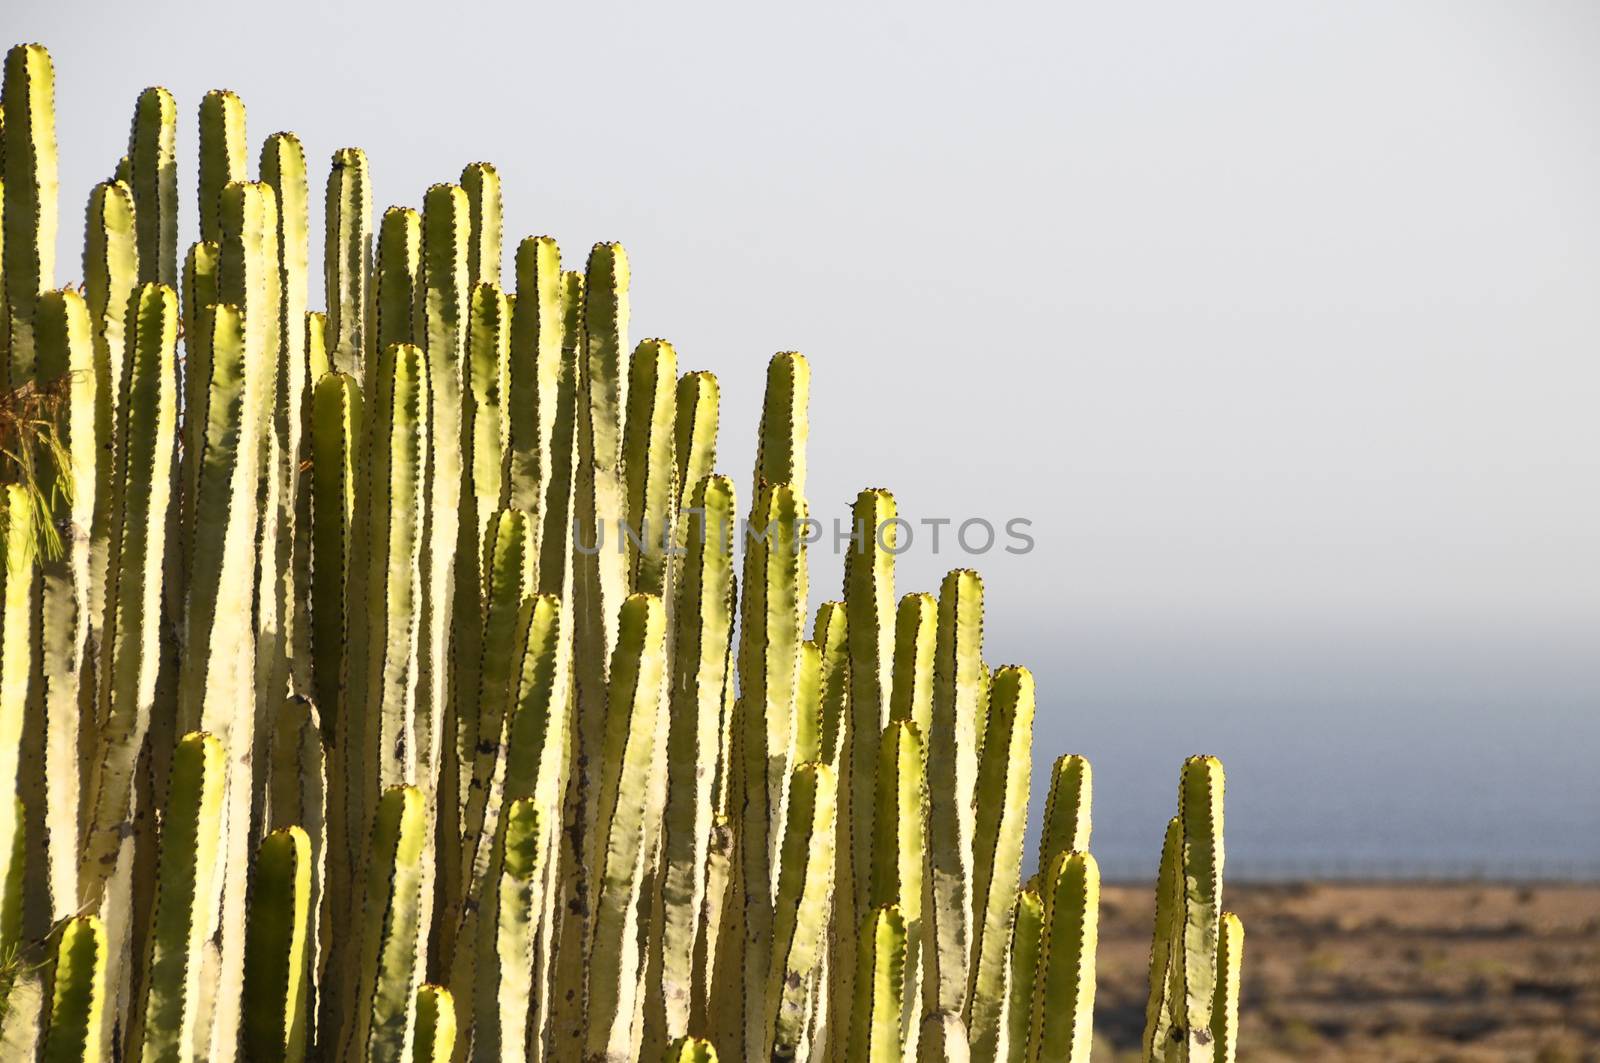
{"x": 153, "y": 173}
{"x": 952, "y": 781}
{"x": 1199, "y": 907}
{"x": 16, "y": 670}
{"x": 66, "y": 356}
{"x": 77, "y": 1013}
{"x": 224, "y": 156}
{"x": 518, "y": 917}
{"x": 691, "y": 1050}
{"x": 337, "y": 433}
{"x": 1026, "y": 931}
{"x": 534, "y": 369}
{"x": 900, "y": 857}
{"x": 28, "y": 138}
{"x": 1192, "y": 1011}
{"x": 916, "y": 629}
{"x": 1159, "y": 1017}
{"x": 187, "y": 882}
{"x": 649, "y": 463}
{"x": 110, "y": 276}
{"x": 436, "y": 1025}
{"x": 1061, "y": 1030}
{"x": 1067, "y": 820}
{"x": 129, "y": 652}
{"x": 396, "y": 275}
{"x": 877, "y": 1015}
{"x": 1225, "y": 1009}
{"x": 381, "y": 1024}
{"x": 626, "y": 765}
{"x": 347, "y": 236}
{"x": 703, "y": 630}
{"x": 801, "y": 910}
{"x": 1001, "y": 809}
{"x": 481, "y": 181}
{"x": 277, "y": 950}
{"x": 283, "y": 169}
{"x": 771, "y": 623}
{"x": 459, "y": 707}
{"x": 482, "y": 735}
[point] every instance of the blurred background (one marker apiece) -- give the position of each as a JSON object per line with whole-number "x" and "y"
{"x": 1276, "y": 320}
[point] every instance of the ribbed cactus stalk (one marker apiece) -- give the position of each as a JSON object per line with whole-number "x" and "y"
{"x": 900, "y": 857}
{"x": 436, "y": 1025}
{"x": 66, "y": 356}
{"x": 519, "y": 911}
{"x": 377, "y": 682}
{"x": 1067, "y": 810}
{"x": 153, "y": 172}
{"x": 800, "y": 919}
{"x": 628, "y": 759}
{"x": 1225, "y": 1009}
{"x": 534, "y": 372}
{"x": 28, "y": 201}
{"x": 77, "y": 1014}
{"x": 224, "y": 156}
{"x": 771, "y": 626}
{"x": 481, "y": 182}
{"x": 1061, "y": 1030}
{"x": 381, "y": 1024}
{"x": 1193, "y": 1005}
{"x": 648, "y": 439}
{"x": 16, "y": 671}
{"x": 1026, "y": 930}
{"x": 877, "y": 1016}
{"x": 1001, "y": 808}
{"x": 703, "y": 630}
{"x": 187, "y": 886}
{"x": 347, "y": 250}
{"x": 916, "y": 633}
{"x": 958, "y": 697}
{"x": 110, "y": 276}
{"x": 129, "y": 652}
{"x": 278, "y": 953}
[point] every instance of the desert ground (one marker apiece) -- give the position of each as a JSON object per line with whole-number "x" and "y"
{"x": 1392, "y": 973}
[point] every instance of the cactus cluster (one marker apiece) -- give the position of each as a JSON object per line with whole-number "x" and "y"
{"x": 335, "y": 727}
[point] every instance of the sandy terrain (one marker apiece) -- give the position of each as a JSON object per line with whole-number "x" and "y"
{"x": 1393, "y": 973}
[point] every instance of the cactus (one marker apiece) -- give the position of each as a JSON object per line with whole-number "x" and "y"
{"x": 703, "y": 632}
{"x": 382, "y": 1020}
{"x": 77, "y": 1013}
{"x": 347, "y": 241}
{"x": 877, "y": 1017}
{"x": 1063, "y": 991}
{"x": 485, "y": 752}
{"x": 436, "y": 1025}
{"x": 1001, "y": 813}
{"x": 29, "y": 202}
{"x": 632, "y": 721}
{"x": 187, "y": 885}
{"x": 1026, "y": 930}
{"x": 1192, "y": 1012}
{"x": 277, "y": 952}
{"x": 153, "y": 180}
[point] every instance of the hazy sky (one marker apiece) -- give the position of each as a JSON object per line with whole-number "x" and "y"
{"x": 1278, "y": 320}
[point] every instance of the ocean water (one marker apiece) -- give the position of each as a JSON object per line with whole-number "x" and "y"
{"x": 1348, "y": 758}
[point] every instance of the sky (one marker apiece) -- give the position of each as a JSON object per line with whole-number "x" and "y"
{"x": 1276, "y": 320}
